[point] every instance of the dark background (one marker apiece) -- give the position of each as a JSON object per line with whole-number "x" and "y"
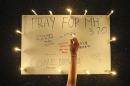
{"x": 10, "y": 20}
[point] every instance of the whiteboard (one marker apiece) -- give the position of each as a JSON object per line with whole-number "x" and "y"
{"x": 46, "y": 39}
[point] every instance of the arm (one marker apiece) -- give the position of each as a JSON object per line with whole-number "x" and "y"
{"x": 72, "y": 76}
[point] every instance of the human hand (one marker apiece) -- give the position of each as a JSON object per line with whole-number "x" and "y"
{"x": 74, "y": 46}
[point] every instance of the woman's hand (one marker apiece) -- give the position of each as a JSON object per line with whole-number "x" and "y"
{"x": 74, "y": 45}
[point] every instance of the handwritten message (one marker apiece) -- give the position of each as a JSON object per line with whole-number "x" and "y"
{"x": 46, "y": 43}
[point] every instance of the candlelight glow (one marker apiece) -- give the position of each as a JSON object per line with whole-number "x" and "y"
{"x": 113, "y": 39}
{"x": 113, "y": 72}
{"x": 50, "y": 12}
{"x": 17, "y": 49}
{"x": 69, "y": 10}
{"x": 34, "y": 12}
{"x": 85, "y": 12}
{"x": 18, "y": 31}
{"x": 112, "y": 11}
{"x": 87, "y": 72}
{"x": 59, "y": 70}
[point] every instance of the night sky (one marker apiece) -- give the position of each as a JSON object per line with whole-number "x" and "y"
{"x": 10, "y": 20}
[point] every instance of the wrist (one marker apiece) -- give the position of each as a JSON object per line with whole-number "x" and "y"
{"x": 73, "y": 55}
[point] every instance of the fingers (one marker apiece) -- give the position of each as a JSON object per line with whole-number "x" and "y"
{"x": 74, "y": 45}
{"x": 75, "y": 41}
{"x": 71, "y": 41}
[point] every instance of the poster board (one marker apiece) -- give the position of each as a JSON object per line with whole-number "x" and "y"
{"x": 46, "y": 39}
